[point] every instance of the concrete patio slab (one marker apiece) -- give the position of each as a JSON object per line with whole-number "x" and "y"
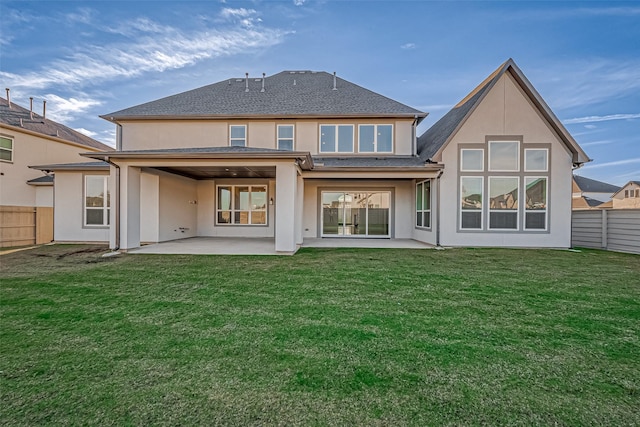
{"x": 365, "y": 243}
{"x": 211, "y": 246}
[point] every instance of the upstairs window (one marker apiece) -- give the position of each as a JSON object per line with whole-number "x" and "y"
{"x": 472, "y": 160}
{"x": 504, "y": 156}
{"x": 6, "y": 149}
{"x": 238, "y": 135}
{"x": 375, "y": 138}
{"x": 336, "y": 138}
{"x": 96, "y": 201}
{"x": 285, "y": 137}
{"x": 535, "y": 159}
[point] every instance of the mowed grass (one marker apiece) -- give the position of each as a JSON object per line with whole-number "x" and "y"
{"x": 326, "y": 337}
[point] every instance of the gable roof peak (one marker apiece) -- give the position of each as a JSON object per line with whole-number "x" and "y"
{"x": 434, "y": 140}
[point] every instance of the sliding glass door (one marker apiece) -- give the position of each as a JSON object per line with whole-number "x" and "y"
{"x": 356, "y": 214}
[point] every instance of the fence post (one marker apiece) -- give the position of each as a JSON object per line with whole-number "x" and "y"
{"x": 605, "y": 227}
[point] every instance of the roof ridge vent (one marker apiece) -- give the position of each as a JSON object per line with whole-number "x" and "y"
{"x": 334, "y": 81}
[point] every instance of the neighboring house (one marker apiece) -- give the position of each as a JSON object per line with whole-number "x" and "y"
{"x": 628, "y": 196}
{"x": 27, "y": 139}
{"x": 302, "y": 155}
{"x": 588, "y": 193}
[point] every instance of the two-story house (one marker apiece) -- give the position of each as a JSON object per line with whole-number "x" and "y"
{"x": 26, "y": 195}
{"x": 304, "y": 154}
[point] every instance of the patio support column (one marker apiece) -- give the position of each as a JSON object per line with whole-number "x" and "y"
{"x": 129, "y": 207}
{"x": 286, "y": 192}
{"x": 299, "y": 210}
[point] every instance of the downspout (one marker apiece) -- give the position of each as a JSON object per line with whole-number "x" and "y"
{"x": 439, "y": 207}
{"x": 117, "y": 200}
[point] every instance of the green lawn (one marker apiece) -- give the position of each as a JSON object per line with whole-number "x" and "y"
{"x": 326, "y": 337}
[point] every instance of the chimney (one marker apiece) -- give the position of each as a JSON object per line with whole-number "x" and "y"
{"x": 44, "y": 109}
{"x": 31, "y": 107}
{"x": 246, "y": 80}
{"x": 8, "y": 96}
{"x": 334, "y": 81}
{"x": 263, "y": 74}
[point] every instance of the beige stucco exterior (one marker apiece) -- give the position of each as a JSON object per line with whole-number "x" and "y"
{"x": 31, "y": 149}
{"x": 507, "y": 112}
{"x": 623, "y": 200}
{"x": 68, "y": 216}
{"x": 158, "y": 134}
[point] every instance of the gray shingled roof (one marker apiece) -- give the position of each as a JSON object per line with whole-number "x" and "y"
{"x": 11, "y": 116}
{"x": 99, "y": 165}
{"x": 370, "y": 162}
{"x": 288, "y": 93}
{"x": 589, "y": 185}
{"x": 42, "y": 180}
{"x": 437, "y": 135}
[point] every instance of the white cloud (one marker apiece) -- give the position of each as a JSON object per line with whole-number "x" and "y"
{"x": 299, "y": 2}
{"x": 603, "y": 142}
{"x": 169, "y": 48}
{"x": 614, "y": 163}
{"x": 589, "y": 81}
{"x": 246, "y": 17}
{"x": 87, "y": 132}
{"x": 592, "y": 119}
{"x": 408, "y": 46}
{"x": 63, "y": 110}
{"x": 590, "y": 126}
{"x": 83, "y": 16}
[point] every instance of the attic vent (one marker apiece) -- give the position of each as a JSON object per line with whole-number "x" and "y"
{"x": 292, "y": 72}
{"x": 238, "y": 80}
{"x": 300, "y": 72}
{"x": 257, "y": 80}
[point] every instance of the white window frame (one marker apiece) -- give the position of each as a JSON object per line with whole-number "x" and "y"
{"x": 107, "y": 203}
{"x": 546, "y": 204}
{"x": 233, "y": 209}
{"x": 375, "y": 137}
{"x": 462, "y": 169}
{"x": 10, "y": 150}
{"x": 546, "y": 169}
{"x": 517, "y": 169}
{"x": 292, "y": 139}
{"x": 420, "y": 210}
{"x": 336, "y": 127}
{"x": 231, "y": 139}
{"x": 482, "y": 204}
{"x": 490, "y": 211}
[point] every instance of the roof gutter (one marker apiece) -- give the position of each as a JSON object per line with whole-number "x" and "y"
{"x": 118, "y": 119}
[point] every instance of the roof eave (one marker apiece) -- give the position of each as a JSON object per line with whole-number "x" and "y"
{"x": 118, "y": 119}
{"x": 51, "y": 137}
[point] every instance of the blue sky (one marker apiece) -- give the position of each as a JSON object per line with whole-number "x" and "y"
{"x": 93, "y": 57}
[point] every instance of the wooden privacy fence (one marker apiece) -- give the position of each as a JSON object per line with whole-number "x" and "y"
{"x": 24, "y": 225}
{"x": 611, "y": 229}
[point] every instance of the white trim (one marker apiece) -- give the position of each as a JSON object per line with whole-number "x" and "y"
{"x": 546, "y": 204}
{"x": 10, "y": 150}
{"x": 337, "y": 139}
{"x": 516, "y": 210}
{"x": 462, "y": 169}
{"x": 375, "y": 137}
{"x": 357, "y": 236}
{"x": 482, "y": 204}
{"x": 422, "y": 211}
{"x": 233, "y": 209}
{"x": 293, "y": 137}
{"x": 245, "y": 139}
{"x": 106, "y": 209}
{"x": 546, "y": 150}
{"x": 517, "y": 156}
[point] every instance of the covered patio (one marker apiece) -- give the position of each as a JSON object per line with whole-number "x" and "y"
{"x": 264, "y": 246}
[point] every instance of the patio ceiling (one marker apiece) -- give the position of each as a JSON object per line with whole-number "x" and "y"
{"x": 209, "y": 172}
